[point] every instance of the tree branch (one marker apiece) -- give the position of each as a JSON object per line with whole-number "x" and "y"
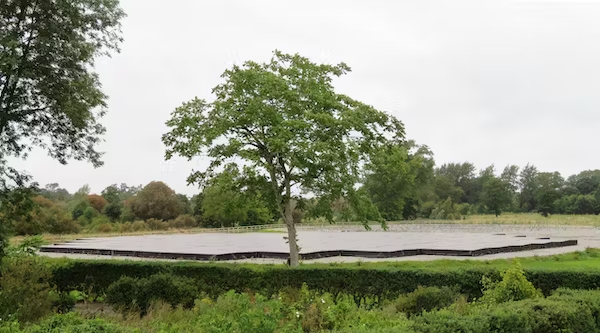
{"x": 19, "y": 67}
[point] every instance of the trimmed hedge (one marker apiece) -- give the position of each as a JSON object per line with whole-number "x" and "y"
{"x": 217, "y": 279}
{"x": 564, "y": 311}
{"x": 377, "y": 283}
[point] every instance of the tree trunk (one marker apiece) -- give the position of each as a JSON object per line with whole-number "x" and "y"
{"x": 289, "y": 222}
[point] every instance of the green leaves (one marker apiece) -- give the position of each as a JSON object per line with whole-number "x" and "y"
{"x": 394, "y": 175}
{"x": 496, "y": 195}
{"x": 284, "y": 120}
{"x": 49, "y": 95}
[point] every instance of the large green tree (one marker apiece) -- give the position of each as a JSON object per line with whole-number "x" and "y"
{"x": 548, "y": 187}
{"x": 394, "y": 177}
{"x": 156, "y": 201}
{"x": 228, "y": 201}
{"x": 284, "y": 119}
{"x": 496, "y": 195}
{"x": 50, "y": 96}
{"x": 586, "y": 182}
{"x": 527, "y": 186}
{"x": 461, "y": 175}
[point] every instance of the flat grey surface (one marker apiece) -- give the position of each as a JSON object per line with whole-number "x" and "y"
{"x": 309, "y": 241}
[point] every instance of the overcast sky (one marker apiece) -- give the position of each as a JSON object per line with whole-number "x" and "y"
{"x": 491, "y": 82}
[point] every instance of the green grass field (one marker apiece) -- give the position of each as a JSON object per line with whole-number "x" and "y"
{"x": 535, "y": 219}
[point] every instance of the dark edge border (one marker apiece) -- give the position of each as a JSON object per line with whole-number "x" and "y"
{"x": 310, "y": 255}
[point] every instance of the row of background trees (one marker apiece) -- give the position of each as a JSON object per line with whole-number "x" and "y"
{"x": 402, "y": 182}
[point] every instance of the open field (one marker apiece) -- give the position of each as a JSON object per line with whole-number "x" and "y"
{"x": 504, "y": 219}
{"x": 528, "y": 219}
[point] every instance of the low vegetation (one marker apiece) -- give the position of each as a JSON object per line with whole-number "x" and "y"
{"x": 170, "y": 301}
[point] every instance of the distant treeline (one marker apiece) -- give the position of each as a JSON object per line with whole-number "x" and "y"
{"x": 400, "y": 185}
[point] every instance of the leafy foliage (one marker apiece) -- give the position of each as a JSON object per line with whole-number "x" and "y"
{"x": 129, "y": 294}
{"x": 15, "y": 203}
{"x": 228, "y": 201}
{"x": 394, "y": 175}
{"x": 97, "y": 202}
{"x": 425, "y": 299}
{"x": 286, "y": 122}
{"x": 513, "y": 287}
{"x": 448, "y": 210}
{"x": 156, "y": 201}
{"x": 25, "y": 290}
{"x": 496, "y": 195}
{"x": 49, "y": 95}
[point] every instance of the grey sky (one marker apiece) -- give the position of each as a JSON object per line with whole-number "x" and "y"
{"x": 485, "y": 81}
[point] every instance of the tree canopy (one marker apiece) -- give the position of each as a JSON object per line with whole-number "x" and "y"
{"x": 50, "y": 96}
{"x": 156, "y": 201}
{"x": 285, "y": 120}
{"x": 394, "y": 174}
{"x": 496, "y": 195}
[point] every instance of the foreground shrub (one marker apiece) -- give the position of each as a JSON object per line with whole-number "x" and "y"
{"x": 72, "y": 323}
{"x": 215, "y": 279}
{"x": 513, "y": 287}
{"x": 304, "y": 310}
{"x": 25, "y": 292}
{"x": 129, "y": 294}
{"x": 425, "y": 299}
{"x": 234, "y": 312}
{"x": 361, "y": 282}
{"x": 527, "y": 316}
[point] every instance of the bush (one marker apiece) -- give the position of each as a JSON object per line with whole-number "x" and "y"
{"x": 155, "y": 224}
{"x": 552, "y": 315}
{"x": 448, "y": 210}
{"x": 183, "y": 221}
{"x": 126, "y": 227}
{"x": 25, "y": 292}
{"x": 513, "y": 287}
{"x": 359, "y": 281}
{"x": 73, "y": 323}
{"x": 64, "y": 302}
{"x": 216, "y": 279}
{"x": 26, "y": 248}
{"x": 123, "y": 294}
{"x": 47, "y": 216}
{"x": 233, "y": 312}
{"x": 425, "y": 299}
{"x": 129, "y": 294}
{"x": 104, "y": 228}
{"x": 447, "y": 321}
{"x": 64, "y": 225}
{"x": 139, "y": 226}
